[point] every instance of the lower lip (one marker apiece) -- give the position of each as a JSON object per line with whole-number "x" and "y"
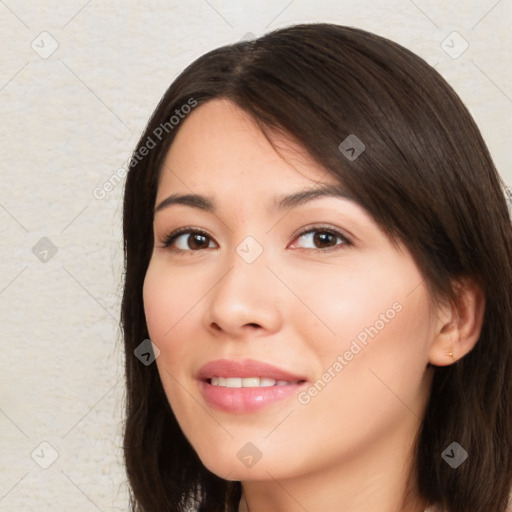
{"x": 244, "y": 400}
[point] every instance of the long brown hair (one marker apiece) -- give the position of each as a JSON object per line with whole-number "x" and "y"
{"x": 427, "y": 179}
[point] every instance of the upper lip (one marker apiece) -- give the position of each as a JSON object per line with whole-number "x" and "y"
{"x": 245, "y": 368}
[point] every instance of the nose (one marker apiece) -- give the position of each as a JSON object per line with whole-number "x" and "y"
{"x": 246, "y": 301}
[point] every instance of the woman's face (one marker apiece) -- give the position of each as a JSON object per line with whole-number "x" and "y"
{"x": 307, "y": 291}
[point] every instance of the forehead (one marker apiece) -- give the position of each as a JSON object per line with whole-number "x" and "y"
{"x": 219, "y": 145}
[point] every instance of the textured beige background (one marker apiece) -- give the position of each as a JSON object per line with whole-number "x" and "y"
{"x": 69, "y": 121}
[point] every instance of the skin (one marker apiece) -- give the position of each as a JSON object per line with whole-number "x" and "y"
{"x": 298, "y": 306}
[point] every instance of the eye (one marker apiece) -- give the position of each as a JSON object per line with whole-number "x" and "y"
{"x": 191, "y": 240}
{"x": 188, "y": 240}
{"x": 321, "y": 238}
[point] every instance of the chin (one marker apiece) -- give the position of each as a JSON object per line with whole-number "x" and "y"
{"x": 231, "y": 466}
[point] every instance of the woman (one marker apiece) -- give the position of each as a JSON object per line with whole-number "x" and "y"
{"x": 317, "y": 245}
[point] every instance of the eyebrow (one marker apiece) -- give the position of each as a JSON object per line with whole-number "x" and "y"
{"x": 280, "y": 203}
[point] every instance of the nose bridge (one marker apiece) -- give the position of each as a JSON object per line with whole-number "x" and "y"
{"x": 242, "y": 296}
{"x": 249, "y": 275}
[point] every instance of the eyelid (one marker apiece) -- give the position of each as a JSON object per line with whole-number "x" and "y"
{"x": 168, "y": 239}
{"x": 347, "y": 240}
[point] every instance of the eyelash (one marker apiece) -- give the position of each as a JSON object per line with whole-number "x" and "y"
{"x": 169, "y": 239}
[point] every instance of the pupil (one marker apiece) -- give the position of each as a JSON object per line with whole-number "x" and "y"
{"x": 323, "y": 237}
{"x": 196, "y": 238}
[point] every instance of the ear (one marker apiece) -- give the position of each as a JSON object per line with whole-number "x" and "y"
{"x": 458, "y": 324}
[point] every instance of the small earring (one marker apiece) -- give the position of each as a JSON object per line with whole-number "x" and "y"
{"x": 451, "y": 354}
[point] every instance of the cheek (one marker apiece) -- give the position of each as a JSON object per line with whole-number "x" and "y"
{"x": 168, "y": 307}
{"x": 173, "y": 311}
{"x": 372, "y": 322}
{"x": 354, "y": 300}
{"x": 156, "y": 303}
{"x": 374, "y": 371}
{"x": 168, "y": 300}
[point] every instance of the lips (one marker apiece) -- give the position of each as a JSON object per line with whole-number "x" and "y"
{"x": 222, "y": 384}
{"x": 247, "y": 368}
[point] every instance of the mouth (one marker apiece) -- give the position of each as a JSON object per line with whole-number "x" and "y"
{"x": 250, "y": 382}
{"x": 244, "y": 386}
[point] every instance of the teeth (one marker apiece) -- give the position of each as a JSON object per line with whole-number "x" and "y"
{"x": 233, "y": 382}
{"x": 251, "y": 382}
{"x": 248, "y": 382}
